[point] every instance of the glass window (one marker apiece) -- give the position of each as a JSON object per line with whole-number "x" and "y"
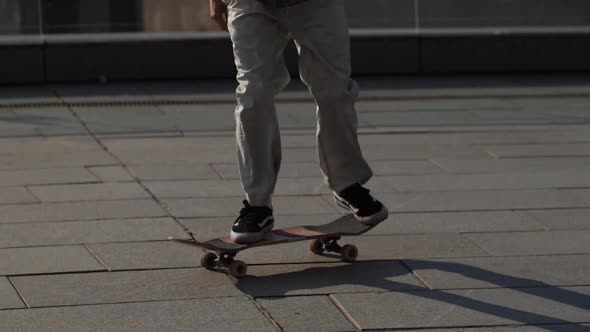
{"x": 19, "y": 17}
{"x": 98, "y": 16}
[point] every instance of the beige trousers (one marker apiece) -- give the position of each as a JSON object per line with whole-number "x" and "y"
{"x": 259, "y": 36}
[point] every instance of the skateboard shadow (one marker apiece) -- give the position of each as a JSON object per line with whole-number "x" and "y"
{"x": 387, "y": 276}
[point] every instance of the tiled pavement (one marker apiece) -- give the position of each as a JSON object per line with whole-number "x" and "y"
{"x": 488, "y": 187}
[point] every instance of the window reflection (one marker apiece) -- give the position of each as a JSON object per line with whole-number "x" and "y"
{"x": 88, "y": 16}
{"x": 19, "y": 17}
{"x": 176, "y": 15}
{"x": 98, "y": 16}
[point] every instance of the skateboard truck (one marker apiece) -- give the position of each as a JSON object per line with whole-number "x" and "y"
{"x": 211, "y": 260}
{"x": 348, "y": 252}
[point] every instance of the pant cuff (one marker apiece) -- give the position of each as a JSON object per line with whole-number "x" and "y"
{"x": 343, "y": 184}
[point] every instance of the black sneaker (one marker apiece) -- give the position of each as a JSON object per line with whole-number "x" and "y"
{"x": 365, "y": 208}
{"x": 252, "y": 224}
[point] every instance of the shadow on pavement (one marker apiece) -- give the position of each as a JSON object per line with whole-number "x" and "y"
{"x": 326, "y": 280}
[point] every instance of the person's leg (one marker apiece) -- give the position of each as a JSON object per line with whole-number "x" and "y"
{"x": 320, "y": 30}
{"x": 258, "y": 41}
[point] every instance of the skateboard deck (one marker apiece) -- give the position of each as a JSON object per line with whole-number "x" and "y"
{"x": 324, "y": 238}
{"x": 343, "y": 226}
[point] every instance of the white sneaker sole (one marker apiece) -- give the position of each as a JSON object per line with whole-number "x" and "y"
{"x": 371, "y": 220}
{"x": 246, "y": 238}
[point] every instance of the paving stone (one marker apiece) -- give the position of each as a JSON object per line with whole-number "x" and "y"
{"x": 459, "y": 182}
{"x": 46, "y": 121}
{"x": 486, "y": 200}
{"x": 440, "y": 105}
{"x": 50, "y": 121}
{"x": 125, "y": 120}
{"x": 86, "y": 93}
{"x": 495, "y": 272}
{"x": 327, "y": 278}
{"x": 140, "y": 134}
{"x": 533, "y": 243}
{"x": 47, "y": 260}
{"x": 307, "y": 313}
{"x": 64, "y": 233}
{"x": 194, "y": 150}
{"x": 316, "y": 186}
{"x": 420, "y": 151}
{"x": 111, "y": 173}
{"x": 14, "y": 195}
{"x": 474, "y": 307}
{"x": 27, "y": 94}
{"x": 557, "y": 164}
{"x": 523, "y": 328}
{"x": 174, "y": 172}
{"x": 70, "y": 211}
{"x": 205, "y": 117}
{"x": 215, "y": 314}
{"x": 555, "y": 104}
{"x": 555, "y": 135}
{"x": 46, "y": 176}
{"x": 517, "y": 117}
{"x": 195, "y": 188}
{"x": 38, "y": 145}
{"x": 381, "y": 168}
{"x": 199, "y": 90}
{"x": 146, "y": 255}
{"x": 147, "y": 156}
{"x": 493, "y": 90}
{"x": 563, "y": 115}
{"x": 299, "y": 155}
{"x": 228, "y": 207}
{"x": 456, "y": 222}
{"x": 208, "y": 228}
{"x": 301, "y": 140}
{"x": 9, "y": 299}
{"x": 371, "y": 247}
{"x": 88, "y": 192}
{"x": 14, "y": 127}
{"x": 301, "y": 170}
{"x": 561, "y": 219}
{"x": 19, "y": 161}
{"x": 539, "y": 150}
{"x": 423, "y": 118}
{"x": 300, "y": 115}
{"x": 530, "y": 135}
{"x": 162, "y": 144}
{"x": 302, "y": 186}
{"x": 116, "y": 287}
{"x": 288, "y": 170}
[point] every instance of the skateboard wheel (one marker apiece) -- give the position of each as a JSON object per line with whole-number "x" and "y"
{"x": 238, "y": 269}
{"x": 209, "y": 260}
{"x": 349, "y": 253}
{"x": 316, "y": 246}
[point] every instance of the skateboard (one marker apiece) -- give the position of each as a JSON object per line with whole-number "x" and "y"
{"x": 221, "y": 251}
